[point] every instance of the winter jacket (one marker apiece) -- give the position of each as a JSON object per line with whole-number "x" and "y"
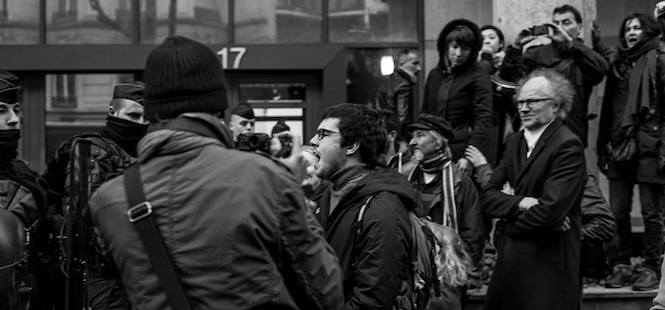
{"x": 470, "y": 221}
{"x": 581, "y": 65}
{"x": 377, "y": 261}
{"x": 396, "y": 96}
{"x": 22, "y": 203}
{"x": 462, "y": 95}
{"x": 16, "y": 177}
{"x": 235, "y": 226}
{"x": 650, "y": 135}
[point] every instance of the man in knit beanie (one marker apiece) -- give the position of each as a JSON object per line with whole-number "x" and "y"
{"x": 226, "y": 218}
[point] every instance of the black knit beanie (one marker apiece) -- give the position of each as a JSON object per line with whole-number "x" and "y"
{"x": 182, "y": 75}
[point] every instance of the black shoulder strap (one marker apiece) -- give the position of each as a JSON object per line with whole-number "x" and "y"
{"x": 357, "y": 226}
{"x": 139, "y": 214}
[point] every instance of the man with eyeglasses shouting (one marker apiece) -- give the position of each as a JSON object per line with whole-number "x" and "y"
{"x": 364, "y": 210}
{"x": 538, "y": 241}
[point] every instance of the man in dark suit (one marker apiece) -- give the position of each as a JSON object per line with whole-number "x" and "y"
{"x": 538, "y": 240}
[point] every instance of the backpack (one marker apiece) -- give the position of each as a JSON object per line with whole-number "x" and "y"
{"x": 430, "y": 268}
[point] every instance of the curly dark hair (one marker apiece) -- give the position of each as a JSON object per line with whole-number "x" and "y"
{"x": 361, "y": 124}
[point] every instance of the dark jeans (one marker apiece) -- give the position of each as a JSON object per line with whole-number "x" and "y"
{"x": 652, "y": 201}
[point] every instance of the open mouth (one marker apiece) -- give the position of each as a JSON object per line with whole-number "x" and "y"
{"x": 632, "y": 40}
{"x": 317, "y": 155}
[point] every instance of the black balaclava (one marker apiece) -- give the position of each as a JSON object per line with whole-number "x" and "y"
{"x": 9, "y": 144}
{"x": 124, "y": 132}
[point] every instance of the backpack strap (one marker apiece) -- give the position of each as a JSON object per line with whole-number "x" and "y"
{"x": 139, "y": 213}
{"x": 357, "y": 228}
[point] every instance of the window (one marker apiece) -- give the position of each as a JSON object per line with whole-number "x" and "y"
{"x": 202, "y": 20}
{"x": 363, "y": 73}
{"x": 277, "y": 21}
{"x": 275, "y": 101}
{"x": 372, "y": 20}
{"x": 19, "y": 21}
{"x": 77, "y": 103}
{"x": 89, "y": 21}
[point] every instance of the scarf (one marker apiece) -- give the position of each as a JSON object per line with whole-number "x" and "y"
{"x": 642, "y": 88}
{"x": 9, "y": 145}
{"x": 124, "y": 132}
{"x": 440, "y": 163}
{"x": 434, "y": 164}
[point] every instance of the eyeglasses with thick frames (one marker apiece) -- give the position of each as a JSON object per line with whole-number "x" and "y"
{"x": 322, "y": 133}
{"x": 531, "y": 102}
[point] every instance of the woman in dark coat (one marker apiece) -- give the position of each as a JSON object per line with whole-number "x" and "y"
{"x": 633, "y": 106}
{"x": 459, "y": 90}
{"x": 504, "y": 114}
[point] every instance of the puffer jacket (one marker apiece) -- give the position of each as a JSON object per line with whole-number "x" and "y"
{"x": 376, "y": 262}
{"x": 462, "y": 95}
{"x": 235, "y": 226}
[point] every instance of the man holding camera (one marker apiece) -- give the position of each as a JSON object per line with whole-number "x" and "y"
{"x": 242, "y": 121}
{"x": 558, "y": 46}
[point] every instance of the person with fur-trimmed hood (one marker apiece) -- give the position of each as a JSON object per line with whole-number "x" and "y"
{"x": 459, "y": 90}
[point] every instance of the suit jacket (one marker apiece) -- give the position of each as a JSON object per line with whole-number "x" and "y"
{"x": 538, "y": 263}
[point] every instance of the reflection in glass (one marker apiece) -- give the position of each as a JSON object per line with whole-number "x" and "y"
{"x": 363, "y": 73}
{"x": 19, "y": 22}
{"x": 77, "y": 103}
{"x": 272, "y": 92}
{"x": 277, "y": 21}
{"x": 202, "y": 20}
{"x": 89, "y": 21}
{"x": 372, "y": 20}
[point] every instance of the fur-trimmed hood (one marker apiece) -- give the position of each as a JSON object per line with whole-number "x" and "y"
{"x": 442, "y": 47}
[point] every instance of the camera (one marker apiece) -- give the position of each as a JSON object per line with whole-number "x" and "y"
{"x": 254, "y": 142}
{"x": 287, "y": 145}
{"x": 540, "y": 30}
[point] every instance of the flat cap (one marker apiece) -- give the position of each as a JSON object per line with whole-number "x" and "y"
{"x": 243, "y": 110}
{"x": 130, "y": 90}
{"x": 428, "y": 121}
{"x": 10, "y": 87}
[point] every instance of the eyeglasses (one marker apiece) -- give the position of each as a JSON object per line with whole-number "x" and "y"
{"x": 531, "y": 102}
{"x": 322, "y": 133}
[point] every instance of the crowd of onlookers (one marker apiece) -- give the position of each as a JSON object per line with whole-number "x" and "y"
{"x": 169, "y": 207}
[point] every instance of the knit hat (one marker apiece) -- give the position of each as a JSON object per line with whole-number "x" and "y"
{"x": 243, "y": 110}
{"x": 281, "y": 126}
{"x": 131, "y": 90}
{"x": 10, "y": 87}
{"x": 182, "y": 75}
{"x": 432, "y": 122}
